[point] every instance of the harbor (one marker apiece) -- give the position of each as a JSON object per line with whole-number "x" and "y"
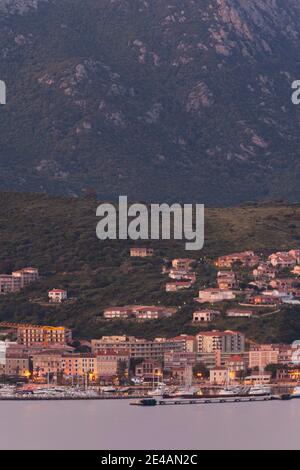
{"x": 162, "y": 396}
{"x": 212, "y": 401}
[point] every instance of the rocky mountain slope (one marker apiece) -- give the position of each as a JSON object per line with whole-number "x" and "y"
{"x": 184, "y": 100}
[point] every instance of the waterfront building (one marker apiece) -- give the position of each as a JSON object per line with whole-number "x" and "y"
{"x": 220, "y": 359}
{"x": 138, "y": 348}
{"x": 258, "y": 379}
{"x": 174, "y": 360}
{"x": 219, "y": 376}
{"x": 224, "y": 341}
{"x": 79, "y": 365}
{"x": 46, "y": 363}
{"x": 235, "y": 364}
{"x": 17, "y": 364}
{"x": 4, "y": 347}
{"x": 110, "y": 363}
{"x": 262, "y": 355}
{"x": 149, "y": 370}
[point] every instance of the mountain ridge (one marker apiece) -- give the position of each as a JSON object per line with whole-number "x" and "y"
{"x": 182, "y": 101}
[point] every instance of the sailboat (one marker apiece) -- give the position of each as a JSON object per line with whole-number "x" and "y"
{"x": 186, "y": 391}
{"x": 160, "y": 388}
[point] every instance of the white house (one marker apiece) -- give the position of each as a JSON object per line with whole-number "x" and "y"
{"x": 57, "y": 295}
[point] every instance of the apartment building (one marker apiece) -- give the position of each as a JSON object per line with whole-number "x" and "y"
{"x": 26, "y": 276}
{"x": 4, "y": 347}
{"x": 79, "y": 365}
{"x": 138, "y": 348}
{"x": 186, "y": 343}
{"x": 179, "y": 360}
{"x": 10, "y": 283}
{"x": 29, "y": 335}
{"x": 149, "y": 370}
{"x": 109, "y": 363}
{"x": 45, "y": 363}
{"x": 224, "y": 341}
{"x": 17, "y": 364}
{"x": 220, "y": 359}
{"x": 263, "y": 355}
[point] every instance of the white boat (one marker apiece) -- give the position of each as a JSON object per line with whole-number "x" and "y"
{"x": 260, "y": 390}
{"x": 230, "y": 391}
{"x": 7, "y": 391}
{"x": 296, "y": 392}
{"x": 158, "y": 391}
{"x": 185, "y": 392}
{"x": 107, "y": 389}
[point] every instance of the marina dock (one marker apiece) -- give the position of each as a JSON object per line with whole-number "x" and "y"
{"x": 211, "y": 401}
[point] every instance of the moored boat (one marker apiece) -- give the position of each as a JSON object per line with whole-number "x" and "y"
{"x": 296, "y": 392}
{"x": 144, "y": 402}
{"x": 260, "y": 390}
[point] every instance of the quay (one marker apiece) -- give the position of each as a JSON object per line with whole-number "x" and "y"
{"x": 211, "y": 401}
{"x": 67, "y": 398}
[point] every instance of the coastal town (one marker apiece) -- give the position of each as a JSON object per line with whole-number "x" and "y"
{"x": 247, "y": 285}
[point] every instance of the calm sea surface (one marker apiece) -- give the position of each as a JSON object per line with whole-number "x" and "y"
{"x": 116, "y": 425}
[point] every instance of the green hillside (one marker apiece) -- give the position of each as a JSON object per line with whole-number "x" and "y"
{"x": 57, "y": 235}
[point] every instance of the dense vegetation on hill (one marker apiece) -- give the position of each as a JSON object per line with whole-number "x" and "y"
{"x": 183, "y": 100}
{"x": 57, "y": 235}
